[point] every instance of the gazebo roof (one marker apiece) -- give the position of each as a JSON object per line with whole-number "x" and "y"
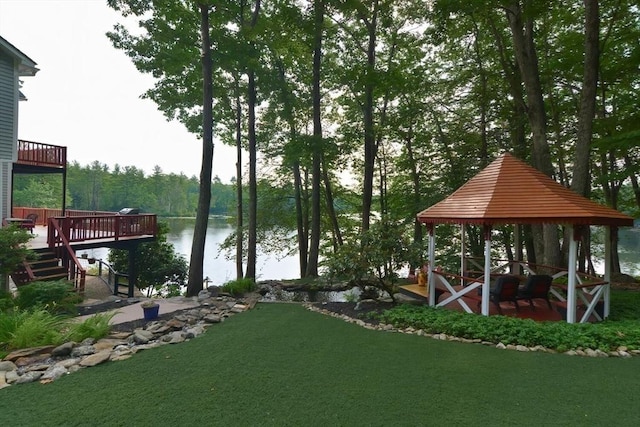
{"x": 509, "y": 191}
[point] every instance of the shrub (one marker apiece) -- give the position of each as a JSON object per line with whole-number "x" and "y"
{"x": 6, "y": 301}
{"x": 96, "y": 327}
{"x": 606, "y": 336}
{"x": 56, "y": 297}
{"x": 239, "y": 287}
{"x": 32, "y": 329}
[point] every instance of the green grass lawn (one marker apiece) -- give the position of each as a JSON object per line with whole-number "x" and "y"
{"x": 284, "y": 366}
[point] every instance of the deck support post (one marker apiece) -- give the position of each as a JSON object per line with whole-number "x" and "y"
{"x": 571, "y": 271}
{"x": 431, "y": 253}
{"x": 133, "y": 269}
{"x": 486, "y": 286}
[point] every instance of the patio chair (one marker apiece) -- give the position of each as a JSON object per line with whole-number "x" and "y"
{"x": 505, "y": 289}
{"x": 31, "y": 223}
{"x": 536, "y": 287}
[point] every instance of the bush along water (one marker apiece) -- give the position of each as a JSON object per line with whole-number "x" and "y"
{"x": 239, "y": 287}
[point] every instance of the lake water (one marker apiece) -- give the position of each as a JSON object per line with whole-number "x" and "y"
{"x": 216, "y": 267}
{"x": 220, "y": 270}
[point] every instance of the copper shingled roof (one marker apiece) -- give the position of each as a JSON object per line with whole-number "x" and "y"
{"x": 509, "y": 191}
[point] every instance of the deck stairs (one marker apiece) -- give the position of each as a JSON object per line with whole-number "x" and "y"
{"x": 45, "y": 267}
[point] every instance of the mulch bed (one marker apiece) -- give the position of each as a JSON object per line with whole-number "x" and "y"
{"x": 365, "y": 310}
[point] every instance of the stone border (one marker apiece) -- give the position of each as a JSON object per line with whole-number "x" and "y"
{"x": 622, "y": 351}
{"x": 48, "y": 363}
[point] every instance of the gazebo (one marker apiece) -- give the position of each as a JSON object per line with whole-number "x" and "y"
{"x": 509, "y": 191}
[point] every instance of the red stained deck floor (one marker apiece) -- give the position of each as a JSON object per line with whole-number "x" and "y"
{"x": 539, "y": 312}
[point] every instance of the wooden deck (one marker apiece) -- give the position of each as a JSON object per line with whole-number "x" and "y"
{"x": 39, "y": 241}
{"x": 540, "y": 314}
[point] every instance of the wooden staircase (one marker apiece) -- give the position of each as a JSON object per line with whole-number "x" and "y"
{"x": 47, "y": 266}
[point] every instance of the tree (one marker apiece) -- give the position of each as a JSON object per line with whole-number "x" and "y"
{"x": 13, "y": 251}
{"x": 196, "y": 264}
{"x": 160, "y": 270}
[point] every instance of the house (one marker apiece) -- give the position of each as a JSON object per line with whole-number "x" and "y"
{"x": 14, "y": 64}
{"x": 66, "y": 231}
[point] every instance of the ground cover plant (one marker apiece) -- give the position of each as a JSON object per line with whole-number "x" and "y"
{"x": 239, "y": 286}
{"x": 280, "y": 364}
{"x": 41, "y": 315}
{"x": 622, "y": 329}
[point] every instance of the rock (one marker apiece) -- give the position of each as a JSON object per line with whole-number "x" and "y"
{"x": 175, "y": 337}
{"x": 140, "y": 336}
{"x": 204, "y": 294}
{"x": 3, "y": 381}
{"x": 120, "y": 335}
{"x": 88, "y": 341}
{"x": 107, "y": 344}
{"x": 591, "y": 353}
{"x": 63, "y": 349}
{"x": 522, "y": 348}
{"x": 571, "y": 353}
{"x": 212, "y": 318}
{"x": 53, "y": 373}
{"x": 7, "y": 366}
{"x": 83, "y": 350}
{"x": 68, "y": 363}
{"x": 501, "y": 346}
{"x": 96, "y": 359}
{"x": 175, "y": 324}
{"x": 29, "y": 377}
{"x": 26, "y": 352}
{"x": 37, "y": 367}
{"x": 32, "y": 360}
{"x": 11, "y": 377}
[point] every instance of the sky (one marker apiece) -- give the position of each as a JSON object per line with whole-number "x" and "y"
{"x": 86, "y": 95}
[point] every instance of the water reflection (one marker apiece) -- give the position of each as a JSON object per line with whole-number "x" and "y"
{"x": 217, "y": 267}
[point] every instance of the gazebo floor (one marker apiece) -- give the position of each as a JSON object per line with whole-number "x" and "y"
{"x": 540, "y": 311}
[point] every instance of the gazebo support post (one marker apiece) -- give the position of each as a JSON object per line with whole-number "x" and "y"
{"x": 431, "y": 255}
{"x": 486, "y": 286}
{"x": 463, "y": 250}
{"x": 574, "y": 232}
{"x": 607, "y": 270}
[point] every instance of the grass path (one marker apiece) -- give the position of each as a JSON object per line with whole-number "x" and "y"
{"x": 282, "y": 365}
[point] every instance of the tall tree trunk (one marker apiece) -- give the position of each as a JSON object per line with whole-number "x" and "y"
{"x": 525, "y": 51}
{"x": 301, "y": 223}
{"x": 194, "y": 284}
{"x": 314, "y": 247}
{"x": 239, "y": 204}
{"x": 303, "y": 243}
{"x": 370, "y": 149}
{"x": 252, "y": 255}
{"x": 581, "y": 182}
{"x": 415, "y": 180}
{"x": 333, "y": 217}
{"x": 253, "y": 180}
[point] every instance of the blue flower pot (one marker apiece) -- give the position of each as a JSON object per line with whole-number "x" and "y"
{"x": 151, "y": 313}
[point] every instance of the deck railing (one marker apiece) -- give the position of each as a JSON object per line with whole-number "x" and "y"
{"x": 45, "y": 213}
{"x": 98, "y": 227}
{"x": 62, "y": 248}
{"x": 39, "y": 154}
